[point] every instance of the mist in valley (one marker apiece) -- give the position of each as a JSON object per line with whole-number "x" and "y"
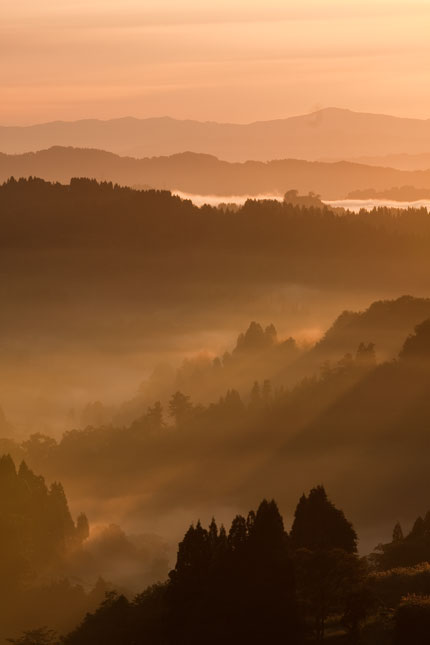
{"x": 214, "y": 323}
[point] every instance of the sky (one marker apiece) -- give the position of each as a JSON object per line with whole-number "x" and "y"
{"x": 229, "y": 60}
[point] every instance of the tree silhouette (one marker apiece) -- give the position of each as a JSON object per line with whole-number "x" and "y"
{"x": 318, "y": 524}
{"x": 397, "y": 533}
{"x": 329, "y": 574}
{"x": 180, "y": 407}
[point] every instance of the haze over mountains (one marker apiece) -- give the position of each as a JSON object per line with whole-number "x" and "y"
{"x": 203, "y": 174}
{"x": 329, "y": 134}
{"x": 402, "y": 161}
{"x": 215, "y": 297}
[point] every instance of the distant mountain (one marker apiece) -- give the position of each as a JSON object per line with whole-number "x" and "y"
{"x": 330, "y": 133}
{"x": 398, "y": 194}
{"x": 400, "y": 161}
{"x": 207, "y": 175}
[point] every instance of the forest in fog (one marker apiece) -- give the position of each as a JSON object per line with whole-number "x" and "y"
{"x": 170, "y": 364}
{"x": 214, "y": 322}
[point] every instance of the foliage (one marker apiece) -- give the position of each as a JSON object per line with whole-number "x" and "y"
{"x": 405, "y": 550}
{"x": 412, "y": 621}
{"x": 319, "y": 525}
{"x": 41, "y": 636}
{"x": 392, "y": 584}
{"x": 247, "y": 584}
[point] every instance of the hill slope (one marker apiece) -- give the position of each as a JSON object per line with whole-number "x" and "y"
{"x": 207, "y": 175}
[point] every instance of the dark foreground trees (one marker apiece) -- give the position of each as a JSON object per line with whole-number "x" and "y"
{"x": 330, "y": 576}
{"x": 241, "y": 584}
{"x": 412, "y": 621}
{"x": 252, "y": 584}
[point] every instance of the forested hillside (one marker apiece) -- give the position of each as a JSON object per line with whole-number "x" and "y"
{"x": 202, "y": 174}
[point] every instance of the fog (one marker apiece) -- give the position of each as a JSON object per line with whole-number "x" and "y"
{"x": 354, "y": 205}
{"x": 50, "y": 372}
{"x": 168, "y": 363}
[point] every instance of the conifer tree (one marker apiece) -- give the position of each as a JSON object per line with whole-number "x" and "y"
{"x": 318, "y": 524}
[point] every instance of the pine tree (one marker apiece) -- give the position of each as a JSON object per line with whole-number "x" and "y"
{"x": 154, "y": 416}
{"x": 180, "y": 407}
{"x": 82, "y": 528}
{"x": 397, "y": 533}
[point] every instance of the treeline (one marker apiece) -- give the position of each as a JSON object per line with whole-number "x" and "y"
{"x": 37, "y": 536}
{"x": 406, "y": 550}
{"x": 258, "y": 582}
{"x": 255, "y": 583}
{"x": 232, "y": 429}
{"x": 355, "y": 412}
{"x": 277, "y": 364}
{"x": 36, "y": 525}
{"x": 398, "y": 193}
{"x": 293, "y": 240}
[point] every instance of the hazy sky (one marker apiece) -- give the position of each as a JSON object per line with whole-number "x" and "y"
{"x": 229, "y": 60}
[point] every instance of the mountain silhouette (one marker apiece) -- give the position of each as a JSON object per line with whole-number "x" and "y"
{"x": 206, "y": 175}
{"x": 329, "y": 133}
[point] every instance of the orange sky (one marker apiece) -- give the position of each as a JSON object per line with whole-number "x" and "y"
{"x": 229, "y": 60}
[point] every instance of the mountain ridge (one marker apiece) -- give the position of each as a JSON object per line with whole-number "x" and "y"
{"x": 204, "y": 174}
{"x": 328, "y": 133}
{"x": 167, "y": 117}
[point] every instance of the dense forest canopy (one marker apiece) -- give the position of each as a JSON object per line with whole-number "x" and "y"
{"x": 262, "y": 241}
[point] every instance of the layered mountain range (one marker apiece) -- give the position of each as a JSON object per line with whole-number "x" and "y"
{"x": 204, "y": 174}
{"x": 330, "y": 133}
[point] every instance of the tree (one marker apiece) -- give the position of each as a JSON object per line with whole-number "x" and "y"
{"x": 188, "y": 598}
{"x": 412, "y": 621}
{"x": 242, "y": 585}
{"x": 110, "y": 624}
{"x": 273, "y": 612}
{"x": 259, "y": 587}
{"x": 60, "y": 519}
{"x": 255, "y": 401}
{"x": 405, "y": 550}
{"x": 256, "y": 339}
{"x": 327, "y": 581}
{"x": 271, "y": 335}
{"x": 82, "y": 528}
{"x": 39, "y": 447}
{"x": 318, "y": 524}
{"x": 329, "y": 574}
{"x": 180, "y": 407}
{"x": 397, "y": 533}
{"x": 366, "y": 355}
{"x": 155, "y": 416}
{"x": 290, "y": 196}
